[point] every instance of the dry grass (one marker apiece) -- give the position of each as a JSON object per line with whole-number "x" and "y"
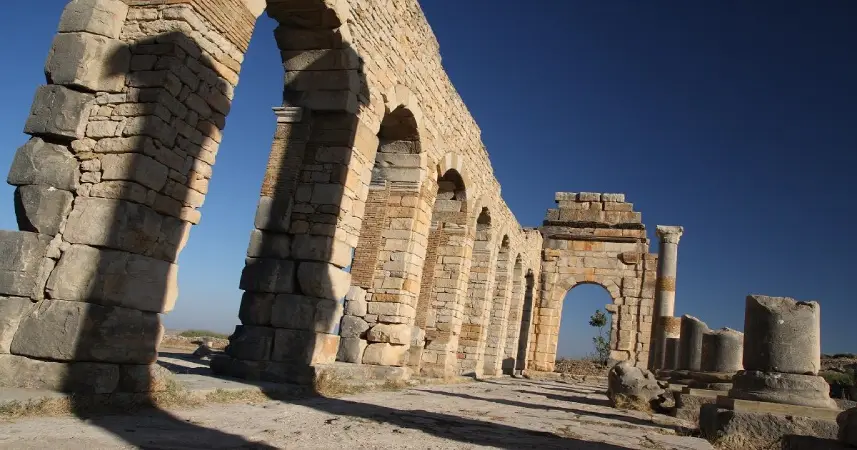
{"x": 632, "y": 403}
{"x": 329, "y": 384}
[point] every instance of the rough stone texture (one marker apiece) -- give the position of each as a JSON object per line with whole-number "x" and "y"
{"x": 795, "y": 442}
{"x": 394, "y": 334}
{"x": 268, "y": 275}
{"x": 74, "y": 331}
{"x": 42, "y": 163}
{"x": 687, "y": 405}
{"x": 41, "y": 209}
{"x": 738, "y": 429}
{"x": 143, "y": 378}
{"x": 782, "y": 335}
{"x": 323, "y": 280}
{"x": 58, "y": 112}
{"x": 632, "y": 382}
{"x": 102, "y": 17}
{"x": 81, "y": 377}
{"x": 385, "y": 354}
{"x": 351, "y": 350}
{"x": 847, "y": 421}
{"x": 671, "y": 353}
{"x": 12, "y": 311}
{"x": 88, "y": 62}
{"x": 722, "y": 351}
{"x": 22, "y": 258}
{"x": 690, "y": 348}
{"x": 251, "y": 343}
{"x": 353, "y": 327}
{"x": 793, "y": 389}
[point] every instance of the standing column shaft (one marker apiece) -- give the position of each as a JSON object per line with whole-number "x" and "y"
{"x": 665, "y": 291}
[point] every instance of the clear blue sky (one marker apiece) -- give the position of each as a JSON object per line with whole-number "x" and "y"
{"x": 737, "y": 120}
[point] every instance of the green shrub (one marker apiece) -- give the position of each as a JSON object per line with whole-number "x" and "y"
{"x": 203, "y": 333}
{"x": 846, "y": 378}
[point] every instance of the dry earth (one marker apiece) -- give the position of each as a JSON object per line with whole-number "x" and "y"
{"x": 501, "y": 413}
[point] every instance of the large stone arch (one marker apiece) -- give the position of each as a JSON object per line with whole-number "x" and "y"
{"x": 596, "y": 238}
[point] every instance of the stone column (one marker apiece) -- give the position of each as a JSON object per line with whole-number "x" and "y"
{"x": 665, "y": 289}
{"x": 722, "y": 354}
{"x": 671, "y": 353}
{"x": 671, "y": 327}
{"x": 690, "y": 348}
{"x": 782, "y": 353}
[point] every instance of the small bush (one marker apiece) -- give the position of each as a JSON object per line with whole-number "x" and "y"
{"x": 846, "y": 378}
{"x": 203, "y": 333}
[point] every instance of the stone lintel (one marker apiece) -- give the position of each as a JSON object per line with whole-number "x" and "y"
{"x": 618, "y": 226}
{"x": 575, "y": 237}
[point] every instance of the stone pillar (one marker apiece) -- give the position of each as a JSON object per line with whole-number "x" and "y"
{"x": 782, "y": 353}
{"x": 722, "y": 354}
{"x": 665, "y": 289}
{"x": 123, "y": 140}
{"x": 690, "y": 348}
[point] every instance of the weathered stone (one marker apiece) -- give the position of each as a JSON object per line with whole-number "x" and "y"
{"x": 294, "y": 311}
{"x": 102, "y": 17}
{"x": 306, "y": 347}
{"x": 328, "y": 316}
{"x": 782, "y": 335}
{"x": 114, "y": 278}
{"x": 722, "y": 351}
{"x": 626, "y": 382}
{"x": 251, "y": 343}
{"x": 847, "y": 421}
{"x": 671, "y": 353}
{"x": 356, "y": 308}
{"x": 127, "y": 226}
{"x": 322, "y": 280}
{"x": 394, "y": 334}
{"x": 792, "y": 389}
{"x": 79, "y": 377}
{"x": 41, "y": 209}
{"x": 120, "y": 190}
{"x": 89, "y": 62}
{"x": 268, "y": 275}
{"x": 351, "y": 350}
{"x": 12, "y": 311}
{"x": 76, "y": 331}
{"x": 385, "y": 354}
{"x": 23, "y": 253}
{"x": 58, "y": 112}
{"x": 353, "y": 327}
{"x": 322, "y": 248}
{"x": 739, "y": 429}
{"x": 134, "y": 167}
{"x": 273, "y": 216}
{"x": 256, "y": 308}
{"x": 41, "y": 163}
{"x": 143, "y": 378}
{"x": 690, "y": 348}
{"x": 269, "y": 245}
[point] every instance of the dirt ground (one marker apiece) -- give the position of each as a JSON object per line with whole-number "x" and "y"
{"x": 502, "y": 413}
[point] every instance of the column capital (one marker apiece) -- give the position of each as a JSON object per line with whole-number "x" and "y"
{"x": 669, "y": 234}
{"x": 288, "y": 114}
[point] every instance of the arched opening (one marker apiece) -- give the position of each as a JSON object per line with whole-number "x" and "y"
{"x": 526, "y": 329}
{"x": 497, "y": 330}
{"x": 473, "y": 329}
{"x": 513, "y": 322}
{"x": 444, "y": 280}
{"x": 575, "y": 338}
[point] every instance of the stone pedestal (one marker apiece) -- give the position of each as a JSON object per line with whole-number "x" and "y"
{"x": 689, "y": 400}
{"x": 722, "y": 353}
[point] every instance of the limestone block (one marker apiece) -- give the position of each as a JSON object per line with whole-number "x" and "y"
{"x": 751, "y": 430}
{"x": 76, "y": 331}
{"x": 385, "y": 354}
{"x": 619, "y": 198}
{"x": 268, "y": 275}
{"x": 322, "y": 248}
{"x": 351, "y": 350}
{"x": 59, "y": 112}
{"x": 252, "y": 343}
{"x": 782, "y": 335}
{"x": 294, "y": 311}
{"x": 269, "y": 245}
{"x": 12, "y": 311}
{"x": 41, "y": 209}
{"x": 273, "y": 216}
{"x": 355, "y": 302}
{"x": 847, "y": 421}
{"x": 322, "y": 280}
{"x": 256, "y": 308}
{"x": 102, "y": 17}
{"x": 793, "y": 389}
{"x": 79, "y": 377}
{"x": 353, "y": 327}
{"x": 89, "y": 62}
{"x": 23, "y": 253}
{"x": 134, "y": 167}
{"x": 38, "y": 162}
{"x": 722, "y": 351}
{"x": 304, "y": 347}
{"x": 328, "y": 316}
{"x": 114, "y": 278}
{"x": 122, "y": 225}
{"x": 690, "y": 347}
{"x": 143, "y": 378}
{"x": 392, "y": 333}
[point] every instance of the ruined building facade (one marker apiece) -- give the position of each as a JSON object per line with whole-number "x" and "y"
{"x": 380, "y": 237}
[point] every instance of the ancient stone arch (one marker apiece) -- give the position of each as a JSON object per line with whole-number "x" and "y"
{"x": 596, "y": 238}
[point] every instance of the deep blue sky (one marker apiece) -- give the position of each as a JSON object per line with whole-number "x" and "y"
{"x": 737, "y": 120}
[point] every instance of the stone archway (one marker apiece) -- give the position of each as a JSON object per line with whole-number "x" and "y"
{"x": 596, "y": 238}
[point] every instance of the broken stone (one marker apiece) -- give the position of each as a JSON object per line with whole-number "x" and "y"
{"x": 782, "y": 335}
{"x": 59, "y": 112}
{"x": 41, "y": 163}
{"x": 76, "y": 331}
{"x": 89, "y": 62}
{"x": 385, "y": 354}
{"x": 629, "y": 384}
{"x": 394, "y": 334}
{"x": 322, "y": 280}
{"x": 792, "y": 389}
{"x": 690, "y": 347}
{"x": 722, "y": 351}
{"x": 41, "y": 209}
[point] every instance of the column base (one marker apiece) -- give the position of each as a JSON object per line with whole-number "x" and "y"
{"x": 785, "y": 388}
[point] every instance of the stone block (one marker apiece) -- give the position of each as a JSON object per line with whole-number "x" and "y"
{"x": 322, "y": 248}
{"x": 588, "y": 197}
{"x": 384, "y": 354}
{"x": 251, "y": 343}
{"x": 743, "y": 429}
{"x": 12, "y": 311}
{"x": 619, "y": 198}
{"x": 294, "y": 311}
{"x": 353, "y": 327}
{"x": 114, "y": 278}
{"x": 23, "y": 253}
{"x": 102, "y": 17}
{"x": 256, "y": 308}
{"x": 269, "y": 245}
{"x": 802, "y": 390}
{"x": 134, "y": 167}
{"x": 58, "y": 112}
{"x": 328, "y": 316}
{"x": 394, "y": 334}
{"x": 89, "y": 62}
{"x": 273, "y": 216}
{"x": 304, "y": 347}
{"x": 351, "y": 350}
{"x": 123, "y": 225}
{"x": 847, "y": 421}
{"x": 41, "y": 209}
{"x": 143, "y": 378}
{"x": 356, "y": 306}
{"x": 78, "y": 377}
{"x": 722, "y": 351}
{"x": 796, "y": 442}
{"x": 41, "y": 163}
{"x": 782, "y": 335}
{"x": 323, "y": 280}
{"x": 76, "y": 331}
{"x": 268, "y": 275}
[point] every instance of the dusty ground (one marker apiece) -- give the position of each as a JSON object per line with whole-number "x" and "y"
{"x": 503, "y": 413}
